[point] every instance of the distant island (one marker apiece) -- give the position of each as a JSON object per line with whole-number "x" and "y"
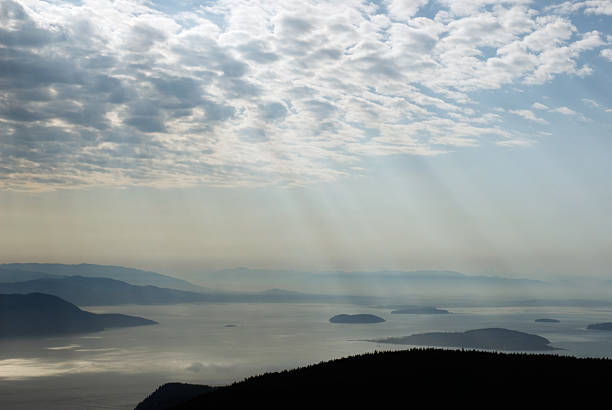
{"x": 38, "y": 314}
{"x": 387, "y": 379}
{"x": 492, "y": 338}
{"x": 354, "y": 319}
{"x": 547, "y": 320}
{"x": 419, "y": 310}
{"x": 601, "y": 326}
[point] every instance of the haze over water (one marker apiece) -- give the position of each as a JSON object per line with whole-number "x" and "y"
{"x": 329, "y": 147}
{"x": 118, "y": 368}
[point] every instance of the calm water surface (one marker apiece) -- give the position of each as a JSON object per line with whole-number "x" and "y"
{"x": 115, "y": 369}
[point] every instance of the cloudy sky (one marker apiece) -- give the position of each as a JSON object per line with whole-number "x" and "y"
{"x": 184, "y": 135}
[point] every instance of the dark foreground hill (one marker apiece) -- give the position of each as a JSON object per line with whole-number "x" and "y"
{"x": 37, "y": 314}
{"x": 172, "y": 394}
{"x": 418, "y": 378}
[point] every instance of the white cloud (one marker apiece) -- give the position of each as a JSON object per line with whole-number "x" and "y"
{"x": 607, "y": 53}
{"x": 601, "y": 7}
{"x": 591, "y": 102}
{"x": 513, "y": 143}
{"x": 254, "y": 93}
{"x": 539, "y": 106}
{"x": 404, "y": 9}
{"x": 528, "y": 115}
{"x": 564, "y": 111}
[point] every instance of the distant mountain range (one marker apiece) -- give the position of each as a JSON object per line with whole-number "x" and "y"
{"x": 38, "y": 314}
{"x": 423, "y": 287}
{"x": 416, "y": 288}
{"x": 19, "y": 272}
{"x": 85, "y": 291}
{"x": 438, "y": 378}
{"x": 355, "y": 282}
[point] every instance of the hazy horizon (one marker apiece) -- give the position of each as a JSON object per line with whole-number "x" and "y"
{"x": 362, "y": 135}
{"x": 325, "y": 146}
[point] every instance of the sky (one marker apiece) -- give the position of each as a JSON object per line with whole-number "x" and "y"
{"x": 186, "y": 136}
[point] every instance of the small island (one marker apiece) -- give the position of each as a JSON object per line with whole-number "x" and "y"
{"x": 419, "y": 310}
{"x": 601, "y": 326}
{"x": 39, "y": 314}
{"x": 547, "y": 320}
{"x": 492, "y": 338}
{"x": 355, "y": 319}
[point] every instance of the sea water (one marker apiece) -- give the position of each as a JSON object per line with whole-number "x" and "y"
{"x": 216, "y": 344}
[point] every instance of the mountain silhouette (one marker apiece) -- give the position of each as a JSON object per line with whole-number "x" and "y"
{"x": 172, "y": 394}
{"x": 84, "y": 291}
{"x": 89, "y": 291}
{"x": 129, "y": 275}
{"x": 38, "y": 314}
{"x": 401, "y": 379}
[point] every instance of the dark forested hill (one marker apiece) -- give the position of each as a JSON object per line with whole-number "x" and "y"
{"x": 418, "y": 378}
{"x": 172, "y": 394}
{"x": 38, "y": 314}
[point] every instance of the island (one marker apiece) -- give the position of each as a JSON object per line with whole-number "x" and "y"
{"x": 491, "y": 338}
{"x": 601, "y": 326}
{"x": 419, "y": 310}
{"x": 39, "y": 314}
{"x": 355, "y": 319}
{"x": 547, "y": 320}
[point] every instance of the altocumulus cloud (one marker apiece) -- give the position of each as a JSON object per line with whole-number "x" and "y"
{"x": 238, "y": 92}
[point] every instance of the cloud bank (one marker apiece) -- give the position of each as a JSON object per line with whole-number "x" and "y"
{"x": 242, "y": 93}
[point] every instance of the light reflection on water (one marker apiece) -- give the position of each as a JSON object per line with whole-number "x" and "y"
{"x": 193, "y": 344}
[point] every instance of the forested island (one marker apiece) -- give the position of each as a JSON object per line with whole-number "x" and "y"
{"x": 38, "y": 314}
{"x": 492, "y": 338}
{"x": 358, "y": 318}
{"x": 601, "y": 326}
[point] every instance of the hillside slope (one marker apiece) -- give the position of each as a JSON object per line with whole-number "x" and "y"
{"x": 432, "y": 377}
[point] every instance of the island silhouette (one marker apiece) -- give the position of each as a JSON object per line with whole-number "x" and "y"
{"x": 38, "y": 314}
{"x": 491, "y": 338}
{"x": 419, "y": 310}
{"x": 355, "y": 319}
{"x": 600, "y": 326}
